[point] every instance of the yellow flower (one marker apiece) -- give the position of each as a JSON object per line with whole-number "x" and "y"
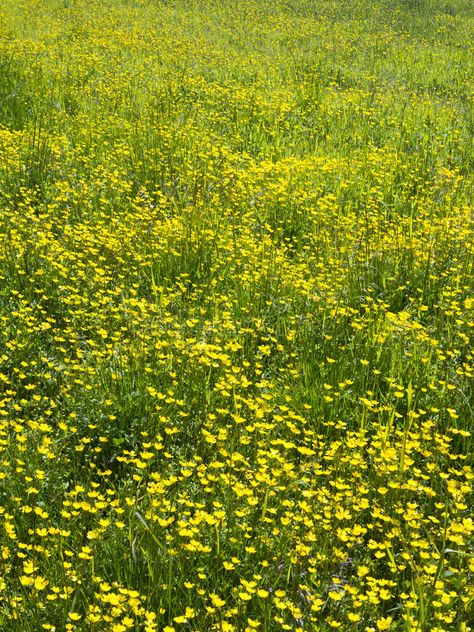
{"x": 384, "y": 623}
{"x": 26, "y": 580}
{"x": 74, "y": 616}
{"x": 40, "y": 583}
{"x": 216, "y": 600}
{"x": 353, "y": 617}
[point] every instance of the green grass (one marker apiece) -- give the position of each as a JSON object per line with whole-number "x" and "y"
{"x": 236, "y": 315}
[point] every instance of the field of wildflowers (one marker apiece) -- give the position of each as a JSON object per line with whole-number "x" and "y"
{"x": 236, "y": 315}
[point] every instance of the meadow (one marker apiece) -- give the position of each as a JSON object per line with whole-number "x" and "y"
{"x": 236, "y": 315}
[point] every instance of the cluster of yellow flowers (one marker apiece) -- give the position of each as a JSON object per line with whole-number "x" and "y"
{"x": 236, "y": 316}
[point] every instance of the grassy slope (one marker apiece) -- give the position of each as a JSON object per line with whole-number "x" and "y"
{"x": 236, "y": 309}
